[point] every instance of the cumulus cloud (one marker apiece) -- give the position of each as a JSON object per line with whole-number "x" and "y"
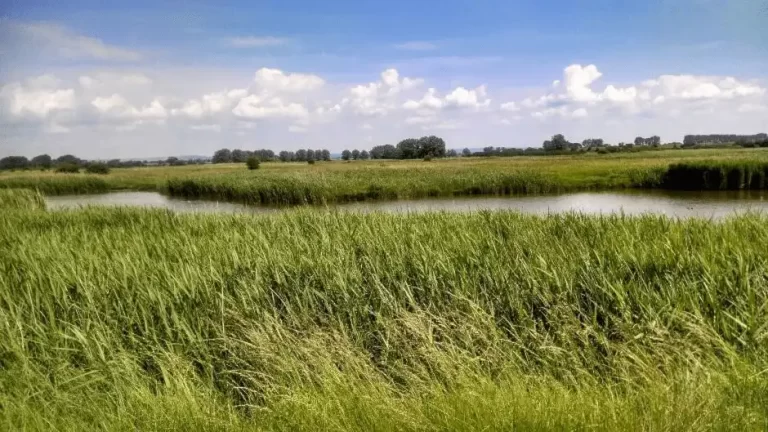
{"x": 23, "y": 101}
{"x": 460, "y": 97}
{"x": 117, "y": 106}
{"x": 256, "y": 107}
{"x": 280, "y": 102}
{"x": 464, "y": 98}
{"x": 578, "y": 92}
{"x": 278, "y": 81}
{"x": 376, "y": 98}
{"x": 64, "y": 42}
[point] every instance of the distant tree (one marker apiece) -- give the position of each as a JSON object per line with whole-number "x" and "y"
{"x": 301, "y": 155}
{"x": 67, "y": 168}
{"x": 408, "y": 148}
{"x": 364, "y": 155}
{"x": 253, "y": 163}
{"x": 452, "y": 153}
{"x": 222, "y": 156}
{"x": 97, "y": 168}
{"x": 557, "y": 143}
{"x": 174, "y": 161}
{"x": 14, "y": 162}
{"x": 285, "y": 156}
{"x": 114, "y": 163}
{"x": 68, "y": 158}
{"x": 42, "y": 161}
{"x": 355, "y": 154}
{"x": 326, "y": 155}
{"x": 466, "y": 152}
{"x": 431, "y": 146}
{"x": 387, "y": 151}
{"x": 310, "y": 155}
{"x": 346, "y": 155}
{"x": 238, "y": 156}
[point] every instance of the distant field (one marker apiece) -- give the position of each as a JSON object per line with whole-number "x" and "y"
{"x": 337, "y": 181}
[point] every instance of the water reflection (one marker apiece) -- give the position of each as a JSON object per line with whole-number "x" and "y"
{"x": 676, "y": 204}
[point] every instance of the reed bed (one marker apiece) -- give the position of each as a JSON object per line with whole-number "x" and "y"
{"x": 127, "y": 319}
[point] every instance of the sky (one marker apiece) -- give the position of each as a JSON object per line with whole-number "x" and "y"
{"x": 133, "y": 79}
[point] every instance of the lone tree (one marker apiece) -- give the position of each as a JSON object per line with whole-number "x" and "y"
{"x": 346, "y": 154}
{"x": 253, "y": 163}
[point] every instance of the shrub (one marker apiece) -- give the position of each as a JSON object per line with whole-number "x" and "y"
{"x": 428, "y": 159}
{"x": 253, "y": 163}
{"x": 68, "y": 168}
{"x": 97, "y": 168}
{"x": 311, "y": 161}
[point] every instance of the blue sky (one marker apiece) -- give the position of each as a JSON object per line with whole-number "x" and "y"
{"x": 494, "y": 53}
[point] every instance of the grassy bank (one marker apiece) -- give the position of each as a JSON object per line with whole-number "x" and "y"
{"x": 336, "y": 181}
{"x": 307, "y": 320}
{"x": 21, "y": 199}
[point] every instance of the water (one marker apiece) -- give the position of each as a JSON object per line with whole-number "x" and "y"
{"x": 676, "y": 204}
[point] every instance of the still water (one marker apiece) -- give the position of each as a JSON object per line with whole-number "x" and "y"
{"x": 675, "y": 204}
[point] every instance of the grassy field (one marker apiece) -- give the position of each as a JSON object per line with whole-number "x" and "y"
{"x": 129, "y": 319}
{"x": 299, "y": 183}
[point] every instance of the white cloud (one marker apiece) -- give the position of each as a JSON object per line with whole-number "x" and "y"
{"x": 36, "y": 98}
{"x": 510, "y": 107}
{"x": 297, "y": 129}
{"x": 256, "y": 41}
{"x": 578, "y": 79}
{"x": 210, "y": 104}
{"x": 376, "y": 98}
{"x": 116, "y": 106}
{"x": 276, "y": 80}
{"x": 255, "y": 107}
{"x": 464, "y": 98}
{"x": 614, "y": 94}
{"x": 429, "y": 102}
{"x": 416, "y": 46}
{"x": 66, "y": 43}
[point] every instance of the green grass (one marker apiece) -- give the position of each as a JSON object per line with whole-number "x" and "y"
{"x": 337, "y": 181}
{"x": 717, "y": 175}
{"x": 127, "y": 319}
{"x": 15, "y": 199}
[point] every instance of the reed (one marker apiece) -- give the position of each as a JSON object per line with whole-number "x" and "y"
{"x": 128, "y": 319}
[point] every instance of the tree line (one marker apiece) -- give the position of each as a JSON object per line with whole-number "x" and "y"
{"x": 692, "y": 140}
{"x": 265, "y": 155}
{"x": 426, "y": 147}
{"x": 68, "y": 163}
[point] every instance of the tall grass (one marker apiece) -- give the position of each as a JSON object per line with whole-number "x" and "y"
{"x": 58, "y": 184}
{"x": 309, "y": 320}
{"x": 717, "y": 175}
{"x": 25, "y": 199}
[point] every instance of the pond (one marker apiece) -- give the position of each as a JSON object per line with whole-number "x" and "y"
{"x": 675, "y": 204}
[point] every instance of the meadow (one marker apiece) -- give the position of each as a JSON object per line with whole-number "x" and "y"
{"x": 337, "y": 181}
{"x": 135, "y": 319}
